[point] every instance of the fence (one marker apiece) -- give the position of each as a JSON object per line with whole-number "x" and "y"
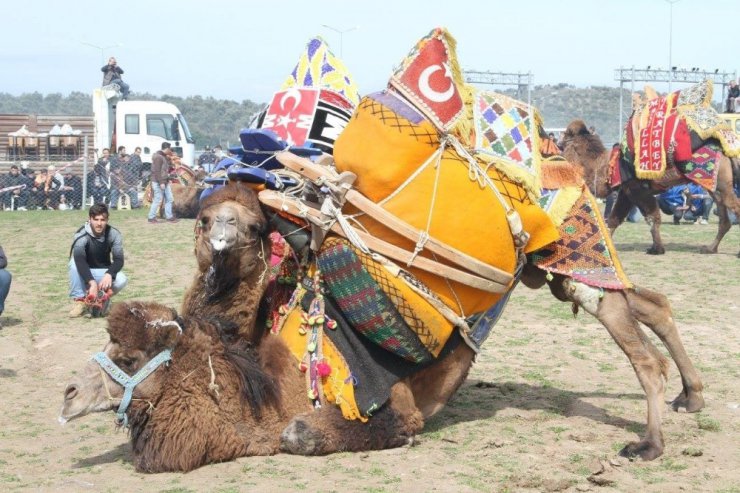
{"x": 76, "y": 184}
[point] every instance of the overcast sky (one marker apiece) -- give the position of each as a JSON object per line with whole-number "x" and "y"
{"x": 244, "y": 49}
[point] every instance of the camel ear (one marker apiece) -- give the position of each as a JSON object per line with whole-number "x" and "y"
{"x": 167, "y": 332}
{"x": 650, "y": 93}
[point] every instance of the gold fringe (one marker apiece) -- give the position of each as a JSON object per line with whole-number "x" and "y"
{"x": 566, "y": 198}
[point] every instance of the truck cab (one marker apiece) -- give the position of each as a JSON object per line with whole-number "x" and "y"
{"x": 144, "y": 124}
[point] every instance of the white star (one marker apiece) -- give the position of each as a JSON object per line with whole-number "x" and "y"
{"x": 285, "y": 121}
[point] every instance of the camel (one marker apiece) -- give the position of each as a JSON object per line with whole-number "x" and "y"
{"x": 586, "y": 150}
{"x": 232, "y": 234}
{"x": 232, "y": 249}
{"x": 216, "y": 399}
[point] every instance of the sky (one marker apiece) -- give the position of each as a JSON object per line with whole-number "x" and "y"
{"x": 238, "y": 50}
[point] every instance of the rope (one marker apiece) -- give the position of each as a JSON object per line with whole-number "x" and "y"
{"x": 213, "y": 386}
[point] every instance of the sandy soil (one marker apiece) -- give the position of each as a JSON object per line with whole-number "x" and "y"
{"x": 547, "y": 406}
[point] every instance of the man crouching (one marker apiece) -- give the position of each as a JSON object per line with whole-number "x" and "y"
{"x": 96, "y": 260}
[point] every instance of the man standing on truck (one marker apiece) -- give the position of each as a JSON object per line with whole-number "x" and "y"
{"x": 160, "y": 180}
{"x": 112, "y": 75}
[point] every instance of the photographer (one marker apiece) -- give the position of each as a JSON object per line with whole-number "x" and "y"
{"x": 112, "y": 75}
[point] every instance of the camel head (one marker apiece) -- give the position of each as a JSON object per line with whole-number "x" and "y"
{"x": 138, "y": 333}
{"x": 232, "y": 242}
{"x": 584, "y": 149}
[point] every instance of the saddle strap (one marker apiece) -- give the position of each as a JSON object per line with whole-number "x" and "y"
{"x": 292, "y": 206}
{"x": 325, "y": 176}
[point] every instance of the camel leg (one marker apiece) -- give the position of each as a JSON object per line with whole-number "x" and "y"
{"x": 652, "y": 309}
{"x": 644, "y": 199}
{"x": 619, "y": 212}
{"x": 725, "y": 199}
{"x": 325, "y": 430}
{"x": 651, "y": 367}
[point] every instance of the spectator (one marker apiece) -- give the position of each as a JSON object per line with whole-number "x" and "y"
{"x": 98, "y": 180}
{"x": 207, "y": 160}
{"x": 674, "y": 201}
{"x": 5, "y": 279}
{"x": 95, "y": 261}
{"x": 219, "y": 152}
{"x": 700, "y": 204}
{"x": 161, "y": 185}
{"x": 117, "y": 185}
{"x": 18, "y": 198}
{"x": 112, "y": 75}
{"x": 133, "y": 177}
{"x": 732, "y": 95}
{"x": 53, "y": 187}
{"x": 72, "y": 190}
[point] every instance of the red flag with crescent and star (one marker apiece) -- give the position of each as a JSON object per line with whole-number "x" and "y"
{"x": 291, "y": 114}
{"x": 428, "y": 82}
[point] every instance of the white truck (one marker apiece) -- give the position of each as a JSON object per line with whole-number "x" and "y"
{"x": 144, "y": 124}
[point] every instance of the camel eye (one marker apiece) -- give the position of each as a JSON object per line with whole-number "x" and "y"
{"x": 127, "y": 364}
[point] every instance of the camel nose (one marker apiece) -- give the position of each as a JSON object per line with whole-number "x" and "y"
{"x": 70, "y": 392}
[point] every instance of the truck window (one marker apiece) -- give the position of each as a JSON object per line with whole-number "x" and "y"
{"x": 132, "y": 124}
{"x": 160, "y": 125}
{"x": 188, "y": 137}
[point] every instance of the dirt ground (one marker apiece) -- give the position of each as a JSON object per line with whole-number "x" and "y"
{"x": 548, "y": 404}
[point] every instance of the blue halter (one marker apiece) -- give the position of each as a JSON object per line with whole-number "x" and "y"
{"x": 128, "y": 382}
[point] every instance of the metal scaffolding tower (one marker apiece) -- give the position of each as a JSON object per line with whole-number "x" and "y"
{"x": 518, "y": 79}
{"x": 675, "y": 74}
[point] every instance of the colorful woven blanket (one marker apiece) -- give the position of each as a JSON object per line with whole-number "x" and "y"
{"x": 506, "y": 129}
{"x": 702, "y": 167}
{"x": 585, "y": 251}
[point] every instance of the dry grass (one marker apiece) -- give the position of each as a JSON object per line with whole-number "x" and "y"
{"x": 548, "y": 404}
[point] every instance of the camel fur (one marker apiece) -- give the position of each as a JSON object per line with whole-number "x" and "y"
{"x": 586, "y": 150}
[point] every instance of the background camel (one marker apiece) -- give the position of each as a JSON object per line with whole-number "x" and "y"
{"x": 230, "y": 214}
{"x": 583, "y": 148}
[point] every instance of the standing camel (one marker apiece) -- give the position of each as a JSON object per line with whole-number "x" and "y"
{"x": 583, "y": 148}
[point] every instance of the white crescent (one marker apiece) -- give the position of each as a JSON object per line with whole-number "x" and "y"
{"x": 293, "y": 94}
{"x": 428, "y": 92}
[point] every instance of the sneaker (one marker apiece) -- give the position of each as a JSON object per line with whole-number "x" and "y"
{"x": 703, "y": 221}
{"x": 21, "y": 208}
{"x": 173, "y": 220}
{"x": 152, "y": 220}
{"x": 78, "y": 309}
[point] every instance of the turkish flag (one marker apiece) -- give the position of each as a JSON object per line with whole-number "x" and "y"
{"x": 428, "y": 82}
{"x": 291, "y": 114}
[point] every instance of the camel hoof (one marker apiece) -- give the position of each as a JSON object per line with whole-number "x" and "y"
{"x": 707, "y": 250}
{"x": 692, "y": 402}
{"x": 645, "y": 449}
{"x": 655, "y": 251}
{"x": 300, "y": 439}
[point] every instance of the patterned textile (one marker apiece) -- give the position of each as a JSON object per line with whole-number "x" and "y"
{"x": 699, "y": 94}
{"x": 319, "y": 67}
{"x": 366, "y": 306}
{"x": 559, "y": 202}
{"x": 650, "y": 152}
{"x": 431, "y": 79}
{"x": 506, "y": 129}
{"x": 584, "y": 251}
{"x": 702, "y": 168}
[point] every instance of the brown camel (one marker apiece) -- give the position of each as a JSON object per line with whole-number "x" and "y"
{"x": 619, "y": 311}
{"x": 232, "y": 249}
{"x": 226, "y": 219}
{"x": 218, "y": 398}
{"x": 585, "y": 149}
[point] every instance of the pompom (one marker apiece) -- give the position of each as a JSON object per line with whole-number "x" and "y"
{"x": 323, "y": 369}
